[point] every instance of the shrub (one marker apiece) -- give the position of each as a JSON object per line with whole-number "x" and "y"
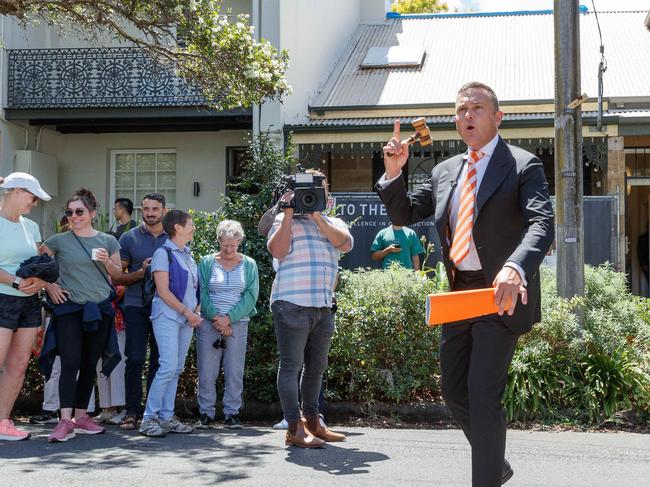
{"x": 587, "y": 374}
{"x": 382, "y": 349}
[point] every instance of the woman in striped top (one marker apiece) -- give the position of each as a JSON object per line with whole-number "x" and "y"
{"x": 229, "y": 289}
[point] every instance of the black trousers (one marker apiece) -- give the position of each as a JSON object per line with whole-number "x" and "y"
{"x": 139, "y": 334}
{"x": 79, "y": 350}
{"x": 474, "y": 359}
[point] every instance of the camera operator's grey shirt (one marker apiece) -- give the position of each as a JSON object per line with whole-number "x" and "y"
{"x": 307, "y": 274}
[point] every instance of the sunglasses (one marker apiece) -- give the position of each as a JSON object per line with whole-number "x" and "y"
{"x": 78, "y": 212}
{"x": 34, "y": 198}
{"x": 219, "y": 343}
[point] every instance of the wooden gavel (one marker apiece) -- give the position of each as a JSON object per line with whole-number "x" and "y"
{"x": 422, "y": 133}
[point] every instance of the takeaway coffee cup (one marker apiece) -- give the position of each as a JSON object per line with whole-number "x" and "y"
{"x": 93, "y": 254}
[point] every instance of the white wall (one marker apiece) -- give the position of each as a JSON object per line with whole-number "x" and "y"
{"x": 237, "y": 7}
{"x": 375, "y": 10}
{"x": 316, "y": 34}
{"x": 43, "y": 36}
{"x": 84, "y": 160}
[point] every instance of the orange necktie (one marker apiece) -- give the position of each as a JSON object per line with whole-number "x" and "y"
{"x": 465, "y": 221}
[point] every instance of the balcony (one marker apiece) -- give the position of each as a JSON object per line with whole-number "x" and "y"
{"x": 92, "y": 78}
{"x": 107, "y": 90}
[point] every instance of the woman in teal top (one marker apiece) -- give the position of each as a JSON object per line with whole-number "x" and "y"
{"x": 229, "y": 289}
{"x": 20, "y": 310}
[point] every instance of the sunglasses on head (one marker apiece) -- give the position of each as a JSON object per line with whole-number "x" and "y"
{"x": 78, "y": 212}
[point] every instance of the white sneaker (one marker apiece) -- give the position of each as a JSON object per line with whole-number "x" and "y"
{"x": 117, "y": 418}
{"x": 104, "y": 416}
{"x": 282, "y": 425}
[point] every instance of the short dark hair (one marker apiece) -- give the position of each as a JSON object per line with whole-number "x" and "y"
{"x": 125, "y": 203}
{"x": 155, "y": 197}
{"x": 482, "y": 86}
{"x": 172, "y": 218}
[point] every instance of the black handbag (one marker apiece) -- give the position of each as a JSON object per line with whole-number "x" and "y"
{"x": 149, "y": 284}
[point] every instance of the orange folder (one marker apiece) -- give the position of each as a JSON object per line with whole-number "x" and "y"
{"x": 459, "y": 305}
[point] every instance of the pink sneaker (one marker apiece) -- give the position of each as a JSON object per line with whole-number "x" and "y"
{"x": 62, "y": 432}
{"x": 86, "y": 426}
{"x": 8, "y": 432}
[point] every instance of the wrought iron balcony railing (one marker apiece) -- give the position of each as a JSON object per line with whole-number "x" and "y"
{"x": 93, "y": 78}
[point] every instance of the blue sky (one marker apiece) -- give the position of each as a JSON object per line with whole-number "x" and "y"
{"x": 513, "y": 5}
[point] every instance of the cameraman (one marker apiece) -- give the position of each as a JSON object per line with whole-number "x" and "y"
{"x": 307, "y": 249}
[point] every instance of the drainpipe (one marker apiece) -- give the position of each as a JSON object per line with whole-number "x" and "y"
{"x": 257, "y": 22}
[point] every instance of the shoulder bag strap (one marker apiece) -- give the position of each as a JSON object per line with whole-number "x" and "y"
{"x": 91, "y": 260}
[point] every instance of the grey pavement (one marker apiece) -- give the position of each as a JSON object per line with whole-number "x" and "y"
{"x": 256, "y": 456}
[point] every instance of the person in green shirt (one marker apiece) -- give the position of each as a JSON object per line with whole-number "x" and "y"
{"x": 229, "y": 291}
{"x": 397, "y": 244}
{"x": 20, "y": 309}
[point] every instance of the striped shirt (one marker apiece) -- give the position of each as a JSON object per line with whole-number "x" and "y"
{"x": 306, "y": 275}
{"x": 226, "y": 287}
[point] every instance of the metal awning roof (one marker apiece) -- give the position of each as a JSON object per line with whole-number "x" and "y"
{"x": 510, "y": 52}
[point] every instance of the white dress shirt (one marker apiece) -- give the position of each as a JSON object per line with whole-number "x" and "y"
{"x": 471, "y": 262}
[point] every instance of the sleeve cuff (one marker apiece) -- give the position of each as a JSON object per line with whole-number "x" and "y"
{"x": 519, "y": 270}
{"x": 383, "y": 182}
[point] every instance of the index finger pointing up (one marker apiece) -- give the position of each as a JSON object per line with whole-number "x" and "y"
{"x": 396, "y": 129}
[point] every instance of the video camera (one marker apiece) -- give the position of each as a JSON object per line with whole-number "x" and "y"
{"x": 308, "y": 189}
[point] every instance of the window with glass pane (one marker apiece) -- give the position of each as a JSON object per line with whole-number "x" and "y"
{"x": 637, "y": 161}
{"x": 236, "y": 158}
{"x": 137, "y": 173}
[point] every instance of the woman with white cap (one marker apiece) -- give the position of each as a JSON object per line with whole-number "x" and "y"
{"x": 20, "y": 309}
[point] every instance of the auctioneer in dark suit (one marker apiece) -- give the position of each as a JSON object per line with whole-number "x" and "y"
{"x": 512, "y": 223}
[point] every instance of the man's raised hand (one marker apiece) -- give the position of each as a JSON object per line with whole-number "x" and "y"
{"x": 396, "y": 153}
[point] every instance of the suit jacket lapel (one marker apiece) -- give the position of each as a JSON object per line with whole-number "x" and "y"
{"x": 447, "y": 181}
{"x": 500, "y": 164}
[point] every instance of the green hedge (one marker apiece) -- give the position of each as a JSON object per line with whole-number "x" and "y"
{"x": 382, "y": 349}
{"x": 562, "y": 371}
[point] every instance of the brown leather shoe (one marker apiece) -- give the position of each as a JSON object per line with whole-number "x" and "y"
{"x": 323, "y": 432}
{"x": 298, "y": 435}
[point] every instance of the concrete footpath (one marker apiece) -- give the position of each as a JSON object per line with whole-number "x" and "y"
{"x": 256, "y": 456}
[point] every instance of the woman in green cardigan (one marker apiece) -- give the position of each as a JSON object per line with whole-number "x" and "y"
{"x": 229, "y": 289}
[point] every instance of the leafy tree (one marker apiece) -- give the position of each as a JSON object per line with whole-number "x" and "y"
{"x": 418, "y": 6}
{"x": 192, "y": 37}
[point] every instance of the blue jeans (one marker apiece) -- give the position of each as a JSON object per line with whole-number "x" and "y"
{"x": 173, "y": 340}
{"x": 210, "y": 361}
{"x": 138, "y": 333}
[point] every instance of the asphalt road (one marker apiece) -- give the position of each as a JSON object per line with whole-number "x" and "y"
{"x": 256, "y": 456}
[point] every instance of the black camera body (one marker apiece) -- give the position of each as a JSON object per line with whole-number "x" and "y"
{"x": 308, "y": 189}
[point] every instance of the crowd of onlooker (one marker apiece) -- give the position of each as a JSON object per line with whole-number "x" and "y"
{"x": 104, "y": 305}
{"x": 118, "y": 301}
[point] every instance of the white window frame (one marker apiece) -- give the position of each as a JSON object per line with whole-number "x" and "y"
{"x": 136, "y": 204}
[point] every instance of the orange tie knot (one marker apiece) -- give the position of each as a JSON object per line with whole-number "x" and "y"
{"x": 476, "y": 155}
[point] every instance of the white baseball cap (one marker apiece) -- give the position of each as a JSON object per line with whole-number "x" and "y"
{"x": 25, "y": 181}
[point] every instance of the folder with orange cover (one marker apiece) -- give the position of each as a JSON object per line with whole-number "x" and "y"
{"x": 459, "y": 305}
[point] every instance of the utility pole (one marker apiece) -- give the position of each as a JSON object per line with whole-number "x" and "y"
{"x": 568, "y": 151}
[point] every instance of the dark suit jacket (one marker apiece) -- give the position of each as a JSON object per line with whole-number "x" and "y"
{"x": 513, "y": 220}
